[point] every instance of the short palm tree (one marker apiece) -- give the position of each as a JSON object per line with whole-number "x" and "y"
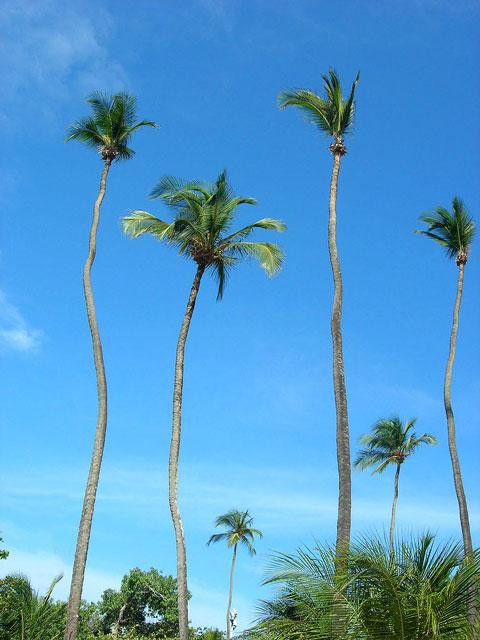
{"x": 454, "y": 230}
{"x": 333, "y": 115}
{"x": 390, "y": 443}
{"x": 239, "y": 530}
{"x": 25, "y": 614}
{"x": 108, "y": 130}
{"x": 421, "y": 591}
{"x": 201, "y": 230}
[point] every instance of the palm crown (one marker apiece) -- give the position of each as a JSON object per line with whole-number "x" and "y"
{"x": 110, "y": 126}
{"x": 202, "y": 226}
{"x": 239, "y": 530}
{"x": 453, "y": 230}
{"x": 390, "y": 443}
{"x": 332, "y": 114}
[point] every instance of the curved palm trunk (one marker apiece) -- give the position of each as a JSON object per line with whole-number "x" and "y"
{"x": 230, "y": 594}
{"x": 452, "y": 443}
{"x": 83, "y": 537}
{"x": 342, "y": 435}
{"x": 394, "y": 508}
{"x": 173, "y": 459}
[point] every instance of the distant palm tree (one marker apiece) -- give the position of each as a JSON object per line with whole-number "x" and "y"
{"x": 454, "y": 231}
{"x": 391, "y": 443}
{"x": 239, "y": 531}
{"x": 108, "y": 130}
{"x": 202, "y": 232}
{"x": 333, "y": 115}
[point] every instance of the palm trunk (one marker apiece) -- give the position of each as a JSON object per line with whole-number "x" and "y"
{"x": 173, "y": 460}
{"x": 452, "y": 443}
{"x": 394, "y": 509}
{"x": 342, "y": 435}
{"x": 83, "y": 537}
{"x": 230, "y": 594}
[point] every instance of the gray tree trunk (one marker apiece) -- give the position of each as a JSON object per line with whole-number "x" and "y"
{"x": 394, "y": 509}
{"x": 342, "y": 434}
{"x": 83, "y": 537}
{"x": 173, "y": 459}
{"x": 230, "y": 594}
{"x": 452, "y": 442}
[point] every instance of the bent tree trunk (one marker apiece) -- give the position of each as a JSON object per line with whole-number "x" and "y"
{"x": 452, "y": 442}
{"x": 230, "y": 594}
{"x": 173, "y": 459}
{"x": 83, "y": 537}
{"x": 342, "y": 435}
{"x": 394, "y": 509}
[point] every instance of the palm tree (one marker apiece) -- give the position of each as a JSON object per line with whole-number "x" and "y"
{"x": 201, "y": 231}
{"x": 421, "y": 591}
{"x": 25, "y": 614}
{"x": 108, "y": 130}
{"x": 239, "y": 531}
{"x": 391, "y": 443}
{"x": 454, "y": 230}
{"x": 333, "y": 115}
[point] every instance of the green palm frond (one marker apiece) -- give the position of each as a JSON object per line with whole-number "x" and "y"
{"x": 422, "y": 590}
{"x": 332, "y": 114}
{"x": 110, "y": 126}
{"x": 268, "y": 254}
{"x": 201, "y": 229}
{"x": 141, "y": 222}
{"x": 453, "y": 230}
{"x": 239, "y": 530}
{"x": 391, "y": 442}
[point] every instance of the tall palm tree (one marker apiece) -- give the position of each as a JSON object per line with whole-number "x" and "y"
{"x": 333, "y": 115}
{"x": 454, "y": 230}
{"x": 391, "y": 443}
{"x": 239, "y": 531}
{"x": 108, "y": 130}
{"x": 201, "y": 230}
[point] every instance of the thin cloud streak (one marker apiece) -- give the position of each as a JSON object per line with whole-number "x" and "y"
{"x": 15, "y": 334}
{"x": 290, "y": 501}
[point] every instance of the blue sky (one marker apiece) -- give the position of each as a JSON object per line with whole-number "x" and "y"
{"x": 258, "y": 402}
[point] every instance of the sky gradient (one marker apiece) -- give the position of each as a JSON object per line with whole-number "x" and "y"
{"x": 259, "y": 418}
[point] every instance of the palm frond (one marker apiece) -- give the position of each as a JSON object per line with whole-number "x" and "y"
{"x": 110, "y": 126}
{"x": 268, "y": 254}
{"x": 453, "y": 230}
{"x": 333, "y": 114}
{"x": 141, "y": 222}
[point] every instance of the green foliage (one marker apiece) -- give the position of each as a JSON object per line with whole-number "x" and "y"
{"x": 332, "y": 114}
{"x": 110, "y": 126}
{"x": 421, "y": 591}
{"x": 453, "y": 230}
{"x": 201, "y": 229}
{"x": 26, "y": 615}
{"x": 3, "y": 552}
{"x": 390, "y": 443}
{"x": 207, "y": 633}
{"x": 145, "y": 604}
{"x": 239, "y": 530}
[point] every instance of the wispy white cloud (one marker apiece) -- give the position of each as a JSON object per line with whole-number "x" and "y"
{"x": 294, "y": 501}
{"x": 53, "y": 48}
{"x": 15, "y": 334}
